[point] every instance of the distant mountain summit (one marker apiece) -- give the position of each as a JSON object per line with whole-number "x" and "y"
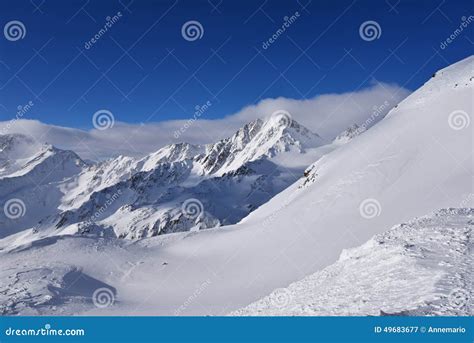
{"x": 348, "y": 134}
{"x": 21, "y": 155}
{"x": 255, "y": 140}
{"x": 228, "y": 179}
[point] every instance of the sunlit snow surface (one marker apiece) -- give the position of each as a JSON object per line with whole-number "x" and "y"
{"x": 414, "y": 162}
{"x": 423, "y": 267}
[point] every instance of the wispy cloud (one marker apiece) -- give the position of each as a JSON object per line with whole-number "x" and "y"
{"x": 327, "y": 114}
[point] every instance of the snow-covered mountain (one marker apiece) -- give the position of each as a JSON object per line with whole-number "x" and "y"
{"x": 15, "y": 149}
{"x": 423, "y": 267}
{"x": 348, "y": 134}
{"x": 415, "y": 161}
{"x": 29, "y": 178}
{"x": 136, "y": 198}
{"x": 257, "y": 139}
{"x": 20, "y": 155}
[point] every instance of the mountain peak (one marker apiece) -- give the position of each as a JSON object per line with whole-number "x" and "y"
{"x": 171, "y": 153}
{"x": 16, "y": 150}
{"x": 457, "y": 75}
{"x": 13, "y": 142}
{"x": 459, "y": 66}
{"x": 282, "y": 129}
{"x": 256, "y": 139}
{"x": 349, "y": 133}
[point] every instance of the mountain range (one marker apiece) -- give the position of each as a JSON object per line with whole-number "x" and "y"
{"x": 136, "y": 198}
{"x": 231, "y": 227}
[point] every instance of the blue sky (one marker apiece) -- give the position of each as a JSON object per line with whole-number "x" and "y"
{"x": 143, "y": 70}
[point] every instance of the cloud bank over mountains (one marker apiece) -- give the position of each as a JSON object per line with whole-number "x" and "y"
{"x": 327, "y": 115}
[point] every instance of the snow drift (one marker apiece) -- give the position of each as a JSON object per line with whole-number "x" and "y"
{"x": 423, "y": 267}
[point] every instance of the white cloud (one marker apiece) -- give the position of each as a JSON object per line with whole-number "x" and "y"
{"x": 327, "y": 114}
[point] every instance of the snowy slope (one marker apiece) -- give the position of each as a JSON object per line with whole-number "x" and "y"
{"x": 15, "y": 152}
{"x": 411, "y": 163}
{"x": 30, "y": 175}
{"x": 423, "y": 267}
{"x": 20, "y": 155}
